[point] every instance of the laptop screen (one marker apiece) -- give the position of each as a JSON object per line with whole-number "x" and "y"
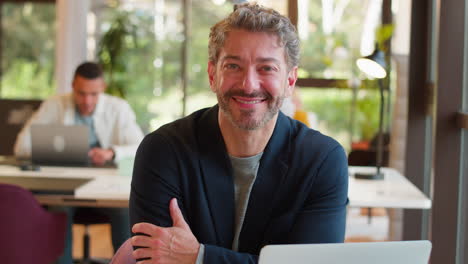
{"x": 401, "y": 252}
{"x": 59, "y": 145}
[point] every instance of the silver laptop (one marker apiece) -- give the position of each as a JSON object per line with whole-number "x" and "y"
{"x": 59, "y": 145}
{"x": 400, "y": 252}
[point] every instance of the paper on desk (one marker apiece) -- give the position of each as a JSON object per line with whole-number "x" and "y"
{"x": 113, "y": 188}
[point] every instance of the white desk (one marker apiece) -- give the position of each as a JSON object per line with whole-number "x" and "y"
{"x": 107, "y": 189}
{"x": 394, "y": 191}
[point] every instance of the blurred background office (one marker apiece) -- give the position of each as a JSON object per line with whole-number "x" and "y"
{"x": 154, "y": 55}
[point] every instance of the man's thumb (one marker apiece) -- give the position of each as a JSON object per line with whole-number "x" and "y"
{"x": 176, "y": 215}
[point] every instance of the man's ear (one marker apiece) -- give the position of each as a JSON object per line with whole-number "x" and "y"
{"x": 104, "y": 84}
{"x": 292, "y": 78}
{"x": 73, "y": 83}
{"x": 211, "y": 73}
{"x": 104, "y": 87}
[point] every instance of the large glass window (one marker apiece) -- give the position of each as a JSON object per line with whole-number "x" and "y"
{"x": 334, "y": 34}
{"x": 139, "y": 45}
{"x": 28, "y": 46}
{"x": 331, "y": 111}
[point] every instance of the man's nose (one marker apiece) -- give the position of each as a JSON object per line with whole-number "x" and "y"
{"x": 87, "y": 99}
{"x": 250, "y": 80}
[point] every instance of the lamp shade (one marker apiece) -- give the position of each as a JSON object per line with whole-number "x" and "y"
{"x": 373, "y": 65}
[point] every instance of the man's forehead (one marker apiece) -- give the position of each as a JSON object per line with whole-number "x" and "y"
{"x": 88, "y": 85}
{"x": 237, "y": 34}
{"x": 260, "y": 46}
{"x": 259, "y": 59}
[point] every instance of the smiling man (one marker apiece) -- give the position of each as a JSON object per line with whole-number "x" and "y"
{"x": 218, "y": 185}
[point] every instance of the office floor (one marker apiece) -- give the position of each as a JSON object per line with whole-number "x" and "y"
{"x": 357, "y": 230}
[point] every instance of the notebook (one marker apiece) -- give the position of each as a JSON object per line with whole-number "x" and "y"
{"x": 399, "y": 252}
{"x": 59, "y": 145}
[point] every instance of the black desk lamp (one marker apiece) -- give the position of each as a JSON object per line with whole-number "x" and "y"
{"x": 374, "y": 66}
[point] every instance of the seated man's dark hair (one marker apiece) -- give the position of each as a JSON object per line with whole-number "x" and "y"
{"x": 89, "y": 70}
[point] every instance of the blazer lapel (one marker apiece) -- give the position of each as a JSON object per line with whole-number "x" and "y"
{"x": 272, "y": 172}
{"x": 217, "y": 175}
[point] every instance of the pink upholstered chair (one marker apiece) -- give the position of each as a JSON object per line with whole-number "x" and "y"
{"x": 124, "y": 254}
{"x": 29, "y": 234}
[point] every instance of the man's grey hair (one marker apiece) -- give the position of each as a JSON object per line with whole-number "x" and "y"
{"x": 255, "y": 18}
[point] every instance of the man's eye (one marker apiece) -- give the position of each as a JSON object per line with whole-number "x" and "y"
{"x": 267, "y": 68}
{"x": 231, "y": 66}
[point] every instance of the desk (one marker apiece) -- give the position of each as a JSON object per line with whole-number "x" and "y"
{"x": 394, "y": 191}
{"x": 105, "y": 187}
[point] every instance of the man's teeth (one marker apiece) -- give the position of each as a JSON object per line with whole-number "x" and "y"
{"x": 249, "y": 102}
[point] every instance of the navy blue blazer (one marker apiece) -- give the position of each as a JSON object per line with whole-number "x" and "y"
{"x": 299, "y": 195}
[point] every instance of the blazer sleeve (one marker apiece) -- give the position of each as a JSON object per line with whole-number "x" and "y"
{"x": 323, "y": 216}
{"x": 154, "y": 182}
{"x": 215, "y": 254}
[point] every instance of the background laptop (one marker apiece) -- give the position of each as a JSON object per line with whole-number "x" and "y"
{"x": 59, "y": 145}
{"x": 400, "y": 252}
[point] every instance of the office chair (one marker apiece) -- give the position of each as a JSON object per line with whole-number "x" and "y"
{"x": 124, "y": 254}
{"x": 30, "y": 234}
{"x": 88, "y": 216}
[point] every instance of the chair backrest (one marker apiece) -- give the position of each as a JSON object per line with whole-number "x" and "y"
{"x": 366, "y": 158}
{"x": 13, "y": 114}
{"x": 29, "y": 234}
{"x": 124, "y": 254}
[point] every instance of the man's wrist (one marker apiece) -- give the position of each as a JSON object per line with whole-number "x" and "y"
{"x": 201, "y": 253}
{"x": 113, "y": 153}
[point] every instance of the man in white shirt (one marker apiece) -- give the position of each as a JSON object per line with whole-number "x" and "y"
{"x": 113, "y": 133}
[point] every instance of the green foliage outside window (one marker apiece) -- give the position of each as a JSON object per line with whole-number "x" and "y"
{"x": 333, "y": 110}
{"x": 28, "y": 42}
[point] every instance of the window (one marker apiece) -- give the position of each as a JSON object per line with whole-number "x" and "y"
{"x": 333, "y": 35}
{"x": 28, "y": 46}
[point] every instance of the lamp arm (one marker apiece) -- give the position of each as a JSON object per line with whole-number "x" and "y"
{"x": 380, "y": 134}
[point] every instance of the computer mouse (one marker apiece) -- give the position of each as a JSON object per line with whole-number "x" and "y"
{"x": 29, "y": 167}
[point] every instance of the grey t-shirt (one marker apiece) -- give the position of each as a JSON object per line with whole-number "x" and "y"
{"x": 245, "y": 172}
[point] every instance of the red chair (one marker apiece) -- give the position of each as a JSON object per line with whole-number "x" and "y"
{"x": 29, "y": 234}
{"x": 124, "y": 254}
